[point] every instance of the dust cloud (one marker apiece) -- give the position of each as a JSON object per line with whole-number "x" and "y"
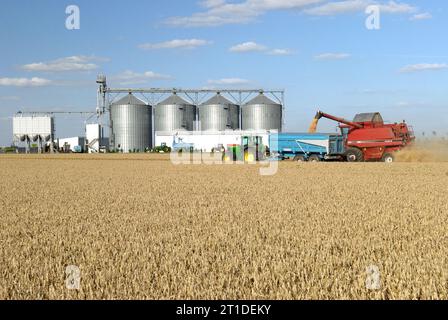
{"x": 425, "y": 151}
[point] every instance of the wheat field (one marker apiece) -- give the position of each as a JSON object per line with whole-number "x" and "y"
{"x": 139, "y": 227}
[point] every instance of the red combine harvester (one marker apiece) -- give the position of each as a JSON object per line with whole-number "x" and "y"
{"x": 368, "y": 138}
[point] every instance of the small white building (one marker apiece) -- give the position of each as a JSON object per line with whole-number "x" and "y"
{"x": 73, "y": 144}
{"x": 207, "y": 141}
{"x": 96, "y": 142}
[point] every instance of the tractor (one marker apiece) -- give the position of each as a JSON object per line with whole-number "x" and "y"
{"x": 251, "y": 149}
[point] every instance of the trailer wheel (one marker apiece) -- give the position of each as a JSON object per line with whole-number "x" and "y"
{"x": 354, "y": 155}
{"x": 388, "y": 158}
{"x": 314, "y": 158}
{"x": 299, "y": 159}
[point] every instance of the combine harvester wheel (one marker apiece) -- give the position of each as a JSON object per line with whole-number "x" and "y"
{"x": 354, "y": 155}
{"x": 388, "y": 158}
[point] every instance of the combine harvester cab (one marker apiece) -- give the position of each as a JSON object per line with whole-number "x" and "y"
{"x": 313, "y": 147}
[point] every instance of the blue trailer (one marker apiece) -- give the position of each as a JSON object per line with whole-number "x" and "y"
{"x": 307, "y": 146}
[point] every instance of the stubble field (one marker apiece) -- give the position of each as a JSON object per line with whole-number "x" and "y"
{"x": 140, "y": 227}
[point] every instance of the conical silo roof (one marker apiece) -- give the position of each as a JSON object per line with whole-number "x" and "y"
{"x": 129, "y": 99}
{"x": 173, "y": 100}
{"x": 218, "y": 100}
{"x": 261, "y": 99}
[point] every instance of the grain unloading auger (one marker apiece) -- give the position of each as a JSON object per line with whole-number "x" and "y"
{"x": 368, "y": 138}
{"x": 320, "y": 115}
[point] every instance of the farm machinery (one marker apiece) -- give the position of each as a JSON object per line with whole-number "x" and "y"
{"x": 251, "y": 149}
{"x": 368, "y": 138}
{"x": 182, "y": 146}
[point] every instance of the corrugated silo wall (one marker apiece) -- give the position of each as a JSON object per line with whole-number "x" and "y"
{"x": 262, "y": 117}
{"x": 132, "y": 127}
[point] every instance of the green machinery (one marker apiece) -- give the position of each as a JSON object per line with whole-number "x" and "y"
{"x": 251, "y": 149}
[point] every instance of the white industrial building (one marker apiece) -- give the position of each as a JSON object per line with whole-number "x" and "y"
{"x": 33, "y": 127}
{"x": 93, "y": 142}
{"x": 206, "y": 141}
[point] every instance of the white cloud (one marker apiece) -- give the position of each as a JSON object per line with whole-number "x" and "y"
{"x": 397, "y": 7}
{"x": 251, "y": 46}
{"x": 175, "y": 44}
{"x": 280, "y": 52}
{"x": 129, "y": 77}
{"x": 403, "y": 104}
{"x": 412, "y": 104}
{"x": 73, "y": 63}
{"x": 375, "y": 91}
{"x": 25, "y": 82}
{"x": 228, "y": 81}
{"x": 206, "y": 20}
{"x": 340, "y": 7}
{"x": 9, "y": 98}
{"x": 222, "y": 12}
{"x": 421, "y": 16}
{"x": 247, "y": 47}
{"x": 332, "y": 56}
{"x": 352, "y": 6}
{"x": 212, "y": 3}
{"x": 423, "y": 67}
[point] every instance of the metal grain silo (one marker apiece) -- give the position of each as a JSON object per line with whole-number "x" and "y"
{"x": 261, "y": 113}
{"x": 219, "y": 114}
{"x": 131, "y": 122}
{"x": 174, "y": 114}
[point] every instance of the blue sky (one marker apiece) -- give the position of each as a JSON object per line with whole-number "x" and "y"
{"x": 319, "y": 51}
